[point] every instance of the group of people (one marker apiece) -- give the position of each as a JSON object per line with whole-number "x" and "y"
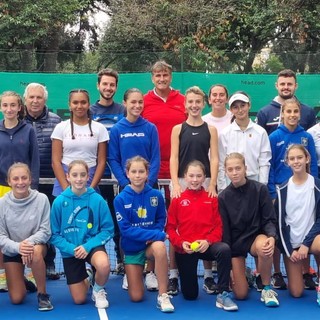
{"x": 237, "y": 188}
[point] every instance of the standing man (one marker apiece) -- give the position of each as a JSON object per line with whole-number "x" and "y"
{"x": 109, "y": 112}
{"x": 164, "y": 107}
{"x": 43, "y": 121}
{"x": 269, "y": 117}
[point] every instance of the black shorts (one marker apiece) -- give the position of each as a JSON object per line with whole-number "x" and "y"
{"x": 75, "y": 269}
{"x": 17, "y": 258}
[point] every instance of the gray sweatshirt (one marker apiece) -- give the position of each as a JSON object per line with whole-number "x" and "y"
{"x": 23, "y": 219}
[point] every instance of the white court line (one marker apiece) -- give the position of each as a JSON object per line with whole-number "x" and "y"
{"x": 103, "y": 314}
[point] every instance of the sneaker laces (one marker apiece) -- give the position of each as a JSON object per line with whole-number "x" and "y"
{"x": 270, "y": 293}
{"x": 165, "y": 299}
{"x": 101, "y": 294}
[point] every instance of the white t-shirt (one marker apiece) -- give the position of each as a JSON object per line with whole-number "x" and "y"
{"x": 219, "y": 123}
{"x": 315, "y": 132}
{"x": 300, "y": 209}
{"x": 83, "y": 147}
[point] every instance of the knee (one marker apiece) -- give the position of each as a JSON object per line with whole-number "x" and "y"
{"x": 159, "y": 248}
{"x": 17, "y": 298}
{"x": 136, "y": 296}
{"x": 296, "y": 293}
{"x": 79, "y": 300}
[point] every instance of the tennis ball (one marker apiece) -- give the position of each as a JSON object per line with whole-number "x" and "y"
{"x": 89, "y": 225}
{"x": 194, "y": 246}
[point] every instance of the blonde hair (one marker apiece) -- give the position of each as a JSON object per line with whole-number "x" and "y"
{"x": 78, "y": 162}
{"x": 18, "y": 165}
{"x": 235, "y": 155}
{"x": 195, "y": 90}
{"x": 137, "y": 159}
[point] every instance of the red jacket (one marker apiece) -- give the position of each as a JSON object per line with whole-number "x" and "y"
{"x": 165, "y": 115}
{"x": 193, "y": 216}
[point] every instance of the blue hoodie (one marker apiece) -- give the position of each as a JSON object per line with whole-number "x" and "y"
{"x": 280, "y": 140}
{"x": 141, "y": 218}
{"x": 80, "y": 220}
{"x": 129, "y": 139}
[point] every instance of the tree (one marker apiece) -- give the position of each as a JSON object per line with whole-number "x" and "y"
{"x": 217, "y": 35}
{"x": 36, "y": 29}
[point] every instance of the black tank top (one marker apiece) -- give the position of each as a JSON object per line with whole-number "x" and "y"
{"x": 194, "y": 145}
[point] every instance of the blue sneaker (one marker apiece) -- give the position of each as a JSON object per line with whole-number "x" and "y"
{"x": 225, "y": 302}
{"x": 318, "y": 295}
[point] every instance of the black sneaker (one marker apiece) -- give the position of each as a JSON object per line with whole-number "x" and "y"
{"x": 173, "y": 286}
{"x": 44, "y": 303}
{"x": 258, "y": 283}
{"x": 30, "y": 286}
{"x": 278, "y": 281}
{"x": 309, "y": 284}
{"x": 52, "y": 274}
{"x": 209, "y": 286}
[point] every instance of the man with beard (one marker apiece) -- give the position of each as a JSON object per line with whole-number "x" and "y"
{"x": 109, "y": 112}
{"x": 269, "y": 116}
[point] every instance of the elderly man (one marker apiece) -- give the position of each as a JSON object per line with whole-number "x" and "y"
{"x": 43, "y": 121}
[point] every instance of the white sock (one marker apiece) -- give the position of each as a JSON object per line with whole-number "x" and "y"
{"x": 208, "y": 273}
{"x": 173, "y": 273}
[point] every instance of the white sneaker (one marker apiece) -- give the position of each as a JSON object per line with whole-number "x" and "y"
{"x": 151, "y": 281}
{"x": 100, "y": 298}
{"x": 125, "y": 282}
{"x": 164, "y": 303}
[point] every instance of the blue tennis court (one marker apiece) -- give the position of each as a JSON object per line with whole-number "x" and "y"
{"x": 122, "y": 308}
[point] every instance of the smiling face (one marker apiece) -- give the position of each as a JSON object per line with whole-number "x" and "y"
{"x": 194, "y": 177}
{"x": 19, "y": 180}
{"x": 137, "y": 173}
{"x": 286, "y": 87}
{"x": 35, "y": 101}
{"x": 78, "y": 177}
{"x": 10, "y": 107}
{"x": 194, "y": 104}
{"x": 298, "y": 160}
{"x": 107, "y": 87}
{"x": 240, "y": 110}
{"x": 218, "y": 98}
{"x": 161, "y": 79}
{"x": 134, "y": 105}
{"x": 290, "y": 115}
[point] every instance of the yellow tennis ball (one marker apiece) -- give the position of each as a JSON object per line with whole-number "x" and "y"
{"x": 194, "y": 246}
{"x": 89, "y": 225}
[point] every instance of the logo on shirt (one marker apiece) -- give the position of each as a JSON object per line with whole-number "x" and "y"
{"x": 154, "y": 201}
{"x": 304, "y": 141}
{"x": 142, "y": 212}
{"x": 131, "y": 135}
{"x": 118, "y": 216}
{"x": 195, "y": 133}
{"x": 185, "y": 203}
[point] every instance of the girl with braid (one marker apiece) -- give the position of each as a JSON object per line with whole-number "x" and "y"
{"x": 78, "y": 138}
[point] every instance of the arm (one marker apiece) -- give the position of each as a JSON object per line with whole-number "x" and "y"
{"x": 226, "y": 233}
{"x": 42, "y": 235}
{"x": 57, "y": 239}
{"x": 155, "y": 156}
{"x": 134, "y": 233}
{"x": 222, "y": 144}
{"x": 214, "y": 162}
{"x": 215, "y": 234}
{"x": 264, "y": 159}
{"x": 115, "y": 158}
{"x": 34, "y": 159}
{"x": 172, "y": 224}
{"x": 313, "y": 155}
{"x": 101, "y": 163}
{"x": 271, "y": 180}
{"x": 161, "y": 214}
{"x": 174, "y": 161}
{"x": 56, "y": 163}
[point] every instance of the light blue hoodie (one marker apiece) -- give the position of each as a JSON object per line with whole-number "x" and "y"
{"x": 80, "y": 220}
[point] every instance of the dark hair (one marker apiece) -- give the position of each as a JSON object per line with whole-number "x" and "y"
{"x": 137, "y": 159}
{"x": 301, "y": 148}
{"x": 78, "y": 162}
{"x": 88, "y": 112}
{"x": 242, "y": 92}
{"x": 219, "y": 85}
{"x": 129, "y": 91}
{"x": 21, "y": 113}
{"x": 161, "y": 65}
{"x": 287, "y": 73}
{"x": 108, "y": 72}
{"x": 195, "y": 163}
